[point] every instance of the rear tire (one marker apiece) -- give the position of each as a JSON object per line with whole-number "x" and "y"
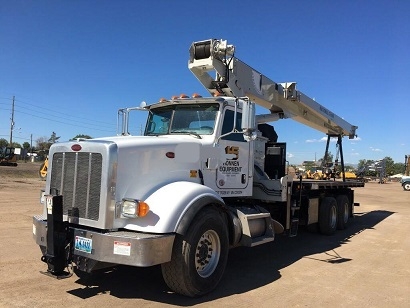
{"x": 199, "y": 257}
{"x": 343, "y": 212}
{"x": 328, "y": 216}
{"x": 406, "y": 186}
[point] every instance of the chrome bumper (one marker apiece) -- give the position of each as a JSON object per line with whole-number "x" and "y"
{"x": 118, "y": 247}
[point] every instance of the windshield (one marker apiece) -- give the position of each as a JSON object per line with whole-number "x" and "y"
{"x": 198, "y": 119}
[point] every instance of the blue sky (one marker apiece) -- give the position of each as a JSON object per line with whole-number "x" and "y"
{"x": 72, "y": 64}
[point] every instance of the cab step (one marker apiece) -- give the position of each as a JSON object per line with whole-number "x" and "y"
{"x": 257, "y": 226}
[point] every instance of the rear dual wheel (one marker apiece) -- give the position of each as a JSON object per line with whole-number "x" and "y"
{"x": 343, "y": 211}
{"x": 328, "y": 216}
{"x": 334, "y": 214}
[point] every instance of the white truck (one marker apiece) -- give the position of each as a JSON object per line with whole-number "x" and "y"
{"x": 207, "y": 175}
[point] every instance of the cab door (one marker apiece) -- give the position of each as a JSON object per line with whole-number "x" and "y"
{"x": 233, "y": 173}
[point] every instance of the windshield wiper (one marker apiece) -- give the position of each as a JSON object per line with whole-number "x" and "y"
{"x": 187, "y": 132}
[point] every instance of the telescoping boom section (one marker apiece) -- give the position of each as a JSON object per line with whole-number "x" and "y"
{"x": 235, "y": 78}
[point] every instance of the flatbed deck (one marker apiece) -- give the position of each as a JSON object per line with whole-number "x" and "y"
{"x": 328, "y": 184}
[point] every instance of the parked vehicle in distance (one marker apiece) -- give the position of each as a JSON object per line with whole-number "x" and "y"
{"x": 8, "y": 157}
{"x": 405, "y": 182}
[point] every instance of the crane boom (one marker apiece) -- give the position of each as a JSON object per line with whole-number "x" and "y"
{"x": 236, "y": 78}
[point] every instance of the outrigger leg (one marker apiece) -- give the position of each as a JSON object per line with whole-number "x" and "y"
{"x": 57, "y": 256}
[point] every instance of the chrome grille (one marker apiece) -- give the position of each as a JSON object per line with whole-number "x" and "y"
{"x": 77, "y": 177}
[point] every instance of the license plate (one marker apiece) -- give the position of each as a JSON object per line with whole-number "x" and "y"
{"x": 83, "y": 244}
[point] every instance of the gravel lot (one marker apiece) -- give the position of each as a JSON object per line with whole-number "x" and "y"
{"x": 366, "y": 265}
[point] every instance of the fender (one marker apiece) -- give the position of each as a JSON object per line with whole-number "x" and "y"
{"x": 173, "y": 206}
{"x": 193, "y": 209}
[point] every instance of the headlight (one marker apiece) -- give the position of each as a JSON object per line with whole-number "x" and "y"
{"x": 134, "y": 208}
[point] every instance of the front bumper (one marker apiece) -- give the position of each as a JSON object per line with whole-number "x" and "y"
{"x": 116, "y": 247}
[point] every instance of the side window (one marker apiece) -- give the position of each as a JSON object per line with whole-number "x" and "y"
{"x": 228, "y": 125}
{"x": 159, "y": 123}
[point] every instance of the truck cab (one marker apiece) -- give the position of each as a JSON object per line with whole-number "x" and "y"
{"x": 224, "y": 158}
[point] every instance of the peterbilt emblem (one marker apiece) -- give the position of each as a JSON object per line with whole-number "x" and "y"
{"x": 76, "y": 147}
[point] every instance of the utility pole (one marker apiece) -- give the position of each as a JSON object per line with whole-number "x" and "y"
{"x": 12, "y": 123}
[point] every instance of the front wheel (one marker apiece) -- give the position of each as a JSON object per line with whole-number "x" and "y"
{"x": 406, "y": 186}
{"x": 198, "y": 257}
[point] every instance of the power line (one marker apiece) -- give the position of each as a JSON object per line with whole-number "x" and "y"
{"x": 20, "y": 138}
{"x": 58, "y": 112}
{"x": 52, "y": 119}
{"x": 64, "y": 115}
{"x": 58, "y": 117}
{"x": 61, "y": 122}
{"x": 93, "y": 126}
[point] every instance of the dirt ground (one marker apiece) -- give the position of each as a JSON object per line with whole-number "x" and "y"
{"x": 366, "y": 265}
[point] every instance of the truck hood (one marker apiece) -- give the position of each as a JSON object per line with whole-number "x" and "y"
{"x": 145, "y": 163}
{"x": 127, "y": 141}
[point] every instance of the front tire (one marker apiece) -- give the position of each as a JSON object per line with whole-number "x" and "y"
{"x": 199, "y": 257}
{"x": 406, "y": 186}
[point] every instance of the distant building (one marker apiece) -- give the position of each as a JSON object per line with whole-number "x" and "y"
{"x": 309, "y": 163}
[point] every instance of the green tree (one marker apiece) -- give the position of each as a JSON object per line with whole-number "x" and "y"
{"x": 81, "y": 136}
{"x": 42, "y": 144}
{"x": 349, "y": 168}
{"x": 3, "y": 143}
{"x": 389, "y": 165}
{"x": 361, "y": 164}
{"x": 308, "y": 164}
{"x": 364, "y": 169}
{"x": 26, "y": 145}
{"x": 323, "y": 162}
{"x": 53, "y": 138}
{"x": 398, "y": 168}
{"x": 16, "y": 145}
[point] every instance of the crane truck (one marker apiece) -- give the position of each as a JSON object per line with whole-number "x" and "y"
{"x": 207, "y": 175}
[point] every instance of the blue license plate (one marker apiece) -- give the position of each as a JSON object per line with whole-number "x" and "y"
{"x": 83, "y": 244}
